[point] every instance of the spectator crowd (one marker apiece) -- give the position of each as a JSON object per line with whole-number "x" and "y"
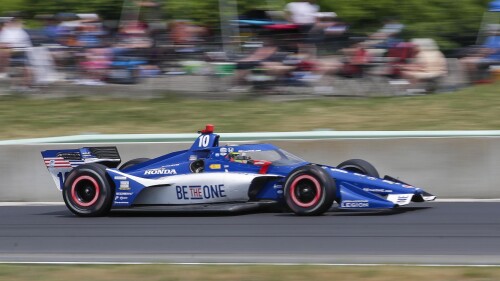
{"x": 298, "y": 46}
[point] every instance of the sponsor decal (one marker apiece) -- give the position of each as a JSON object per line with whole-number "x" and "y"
{"x": 199, "y": 192}
{"x": 124, "y": 185}
{"x": 171, "y": 165}
{"x": 160, "y": 171}
{"x": 193, "y": 157}
{"x": 377, "y": 190}
{"x": 124, "y": 193}
{"x": 278, "y": 186}
{"x": 251, "y": 150}
{"x": 120, "y": 178}
{"x": 223, "y": 151}
{"x": 403, "y": 198}
{"x": 215, "y": 166}
{"x": 121, "y": 202}
{"x": 355, "y": 204}
{"x": 217, "y": 154}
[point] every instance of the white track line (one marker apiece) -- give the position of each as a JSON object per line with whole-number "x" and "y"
{"x": 254, "y": 264}
{"x": 16, "y": 204}
{"x": 445, "y": 200}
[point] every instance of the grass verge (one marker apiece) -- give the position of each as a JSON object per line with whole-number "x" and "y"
{"x": 243, "y": 272}
{"x": 475, "y": 108}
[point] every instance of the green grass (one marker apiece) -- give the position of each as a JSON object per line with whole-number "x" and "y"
{"x": 475, "y": 108}
{"x": 241, "y": 272}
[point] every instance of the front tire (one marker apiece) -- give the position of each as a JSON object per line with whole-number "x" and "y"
{"x": 88, "y": 192}
{"x": 309, "y": 191}
{"x": 359, "y": 166}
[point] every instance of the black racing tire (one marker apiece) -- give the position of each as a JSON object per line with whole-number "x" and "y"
{"x": 132, "y": 162}
{"x": 359, "y": 166}
{"x": 309, "y": 191}
{"x": 197, "y": 166}
{"x": 88, "y": 191}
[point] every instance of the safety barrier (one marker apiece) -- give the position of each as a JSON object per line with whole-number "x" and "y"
{"x": 450, "y": 164}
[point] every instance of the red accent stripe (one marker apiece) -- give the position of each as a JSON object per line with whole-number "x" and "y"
{"x": 265, "y": 167}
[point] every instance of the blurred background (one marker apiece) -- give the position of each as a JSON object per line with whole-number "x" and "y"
{"x": 339, "y": 48}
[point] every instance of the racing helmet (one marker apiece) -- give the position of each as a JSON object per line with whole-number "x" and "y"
{"x": 239, "y": 157}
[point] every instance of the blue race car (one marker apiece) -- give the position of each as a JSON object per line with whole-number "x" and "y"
{"x": 210, "y": 177}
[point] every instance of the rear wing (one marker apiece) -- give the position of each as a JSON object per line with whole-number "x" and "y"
{"x": 61, "y": 162}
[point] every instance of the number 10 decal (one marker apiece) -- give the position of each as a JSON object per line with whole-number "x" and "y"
{"x": 204, "y": 141}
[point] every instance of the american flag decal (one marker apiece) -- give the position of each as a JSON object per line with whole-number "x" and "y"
{"x": 59, "y": 162}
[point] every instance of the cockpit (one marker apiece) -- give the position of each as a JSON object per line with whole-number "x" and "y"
{"x": 263, "y": 153}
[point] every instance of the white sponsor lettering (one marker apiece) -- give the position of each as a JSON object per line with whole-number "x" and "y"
{"x": 355, "y": 204}
{"x": 161, "y": 171}
{"x": 124, "y": 193}
{"x": 377, "y": 190}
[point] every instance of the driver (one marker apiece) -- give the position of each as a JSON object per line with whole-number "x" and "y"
{"x": 240, "y": 158}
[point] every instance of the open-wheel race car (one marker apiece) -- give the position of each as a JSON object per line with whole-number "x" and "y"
{"x": 211, "y": 177}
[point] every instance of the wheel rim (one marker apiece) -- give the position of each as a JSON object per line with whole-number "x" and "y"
{"x": 305, "y": 191}
{"x": 85, "y": 191}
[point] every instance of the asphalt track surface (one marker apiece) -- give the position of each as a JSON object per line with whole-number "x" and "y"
{"x": 428, "y": 233}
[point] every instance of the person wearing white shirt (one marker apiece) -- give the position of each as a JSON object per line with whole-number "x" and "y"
{"x": 302, "y": 13}
{"x": 15, "y": 43}
{"x": 14, "y": 36}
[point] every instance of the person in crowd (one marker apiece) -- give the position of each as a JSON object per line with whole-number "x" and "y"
{"x": 355, "y": 59}
{"x": 16, "y": 44}
{"x": 267, "y": 57}
{"x": 133, "y": 35}
{"x": 4, "y": 56}
{"x": 303, "y": 14}
{"x": 329, "y": 31}
{"x": 96, "y": 55}
{"x": 428, "y": 65}
{"x": 478, "y": 61}
{"x": 387, "y": 35}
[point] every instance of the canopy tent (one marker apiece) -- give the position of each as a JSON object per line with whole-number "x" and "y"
{"x": 490, "y": 22}
{"x": 494, "y": 6}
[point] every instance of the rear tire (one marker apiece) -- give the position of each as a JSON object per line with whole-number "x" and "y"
{"x": 309, "y": 191}
{"x": 359, "y": 166}
{"x": 132, "y": 162}
{"x": 88, "y": 191}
